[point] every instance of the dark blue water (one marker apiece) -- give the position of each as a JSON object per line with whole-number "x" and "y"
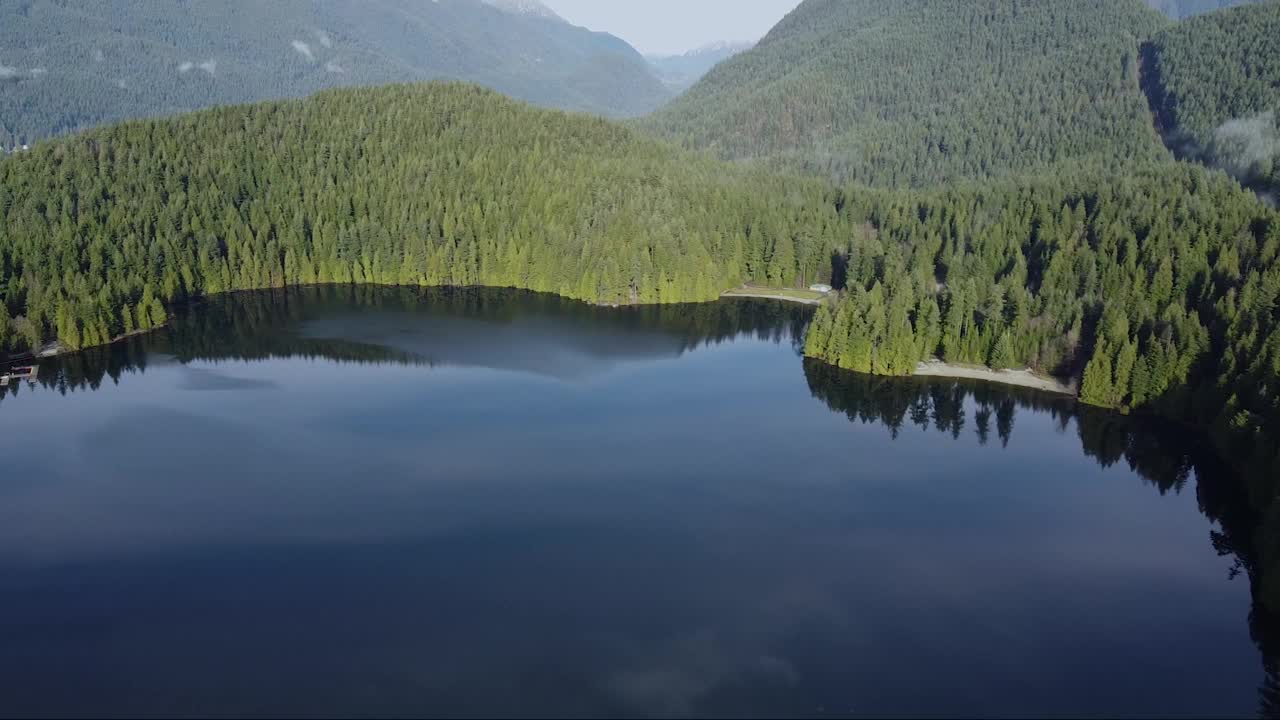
{"x": 390, "y": 502}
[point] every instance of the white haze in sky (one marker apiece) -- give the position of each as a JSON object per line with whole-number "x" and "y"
{"x": 671, "y": 27}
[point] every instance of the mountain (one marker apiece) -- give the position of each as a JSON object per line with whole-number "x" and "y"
{"x": 923, "y": 92}
{"x": 1179, "y": 9}
{"x": 70, "y": 64}
{"x": 680, "y": 72}
{"x": 1214, "y": 85}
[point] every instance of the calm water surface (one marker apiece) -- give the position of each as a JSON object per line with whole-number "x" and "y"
{"x": 392, "y": 502}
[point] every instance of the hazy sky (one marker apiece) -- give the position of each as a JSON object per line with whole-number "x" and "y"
{"x": 674, "y": 26}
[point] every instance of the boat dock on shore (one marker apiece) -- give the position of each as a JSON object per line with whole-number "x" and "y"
{"x": 18, "y": 372}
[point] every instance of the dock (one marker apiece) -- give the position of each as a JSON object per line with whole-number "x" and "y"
{"x": 17, "y": 373}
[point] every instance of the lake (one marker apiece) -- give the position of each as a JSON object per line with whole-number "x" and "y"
{"x": 358, "y": 501}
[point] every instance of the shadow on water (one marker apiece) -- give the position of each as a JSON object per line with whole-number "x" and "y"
{"x": 466, "y": 327}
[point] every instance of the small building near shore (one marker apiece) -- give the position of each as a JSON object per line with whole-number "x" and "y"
{"x": 821, "y": 288}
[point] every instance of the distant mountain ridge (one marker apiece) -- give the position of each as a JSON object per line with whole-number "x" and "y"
{"x": 679, "y": 72}
{"x": 70, "y": 64}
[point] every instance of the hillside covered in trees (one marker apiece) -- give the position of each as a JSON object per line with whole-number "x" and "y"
{"x": 926, "y": 92}
{"x": 1214, "y": 83}
{"x": 437, "y": 184}
{"x": 70, "y": 64}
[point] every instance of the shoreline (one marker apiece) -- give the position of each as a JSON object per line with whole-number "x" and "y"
{"x": 55, "y": 349}
{"x": 1018, "y": 378}
{"x": 765, "y": 296}
{"x": 932, "y": 368}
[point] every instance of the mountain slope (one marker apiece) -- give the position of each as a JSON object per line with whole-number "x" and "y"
{"x": 1214, "y": 84}
{"x": 921, "y": 92}
{"x": 680, "y": 72}
{"x": 71, "y": 64}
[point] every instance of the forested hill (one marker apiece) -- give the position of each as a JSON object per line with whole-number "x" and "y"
{"x": 1214, "y": 83}
{"x": 437, "y": 184}
{"x": 69, "y": 64}
{"x": 923, "y": 92}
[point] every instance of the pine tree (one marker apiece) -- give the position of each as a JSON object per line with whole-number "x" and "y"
{"x": 1124, "y": 368}
{"x": 819, "y": 332}
{"x": 782, "y": 266}
{"x": 1003, "y": 356}
{"x": 6, "y": 331}
{"x": 1097, "y": 387}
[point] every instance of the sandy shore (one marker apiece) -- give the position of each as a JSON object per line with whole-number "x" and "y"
{"x": 1021, "y": 378}
{"x": 763, "y": 296}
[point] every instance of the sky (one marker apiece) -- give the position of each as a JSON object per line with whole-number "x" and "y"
{"x": 670, "y": 27}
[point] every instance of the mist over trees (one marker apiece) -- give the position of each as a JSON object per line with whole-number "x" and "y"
{"x": 1215, "y": 86}
{"x": 1179, "y": 9}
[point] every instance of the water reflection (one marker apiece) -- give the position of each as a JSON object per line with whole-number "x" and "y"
{"x": 1155, "y": 451}
{"x": 670, "y": 561}
{"x": 1165, "y": 457}
{"x": 427, "y": 327}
